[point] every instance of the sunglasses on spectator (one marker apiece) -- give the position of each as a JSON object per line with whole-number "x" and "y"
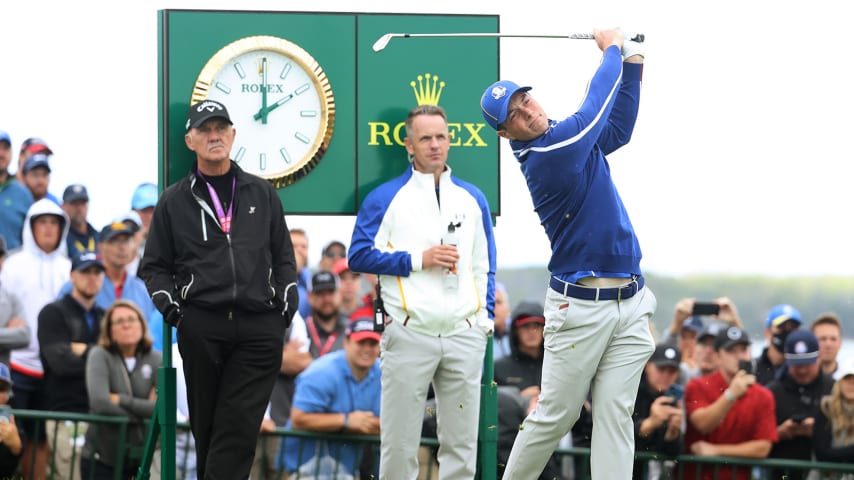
{"x": 335, "y": 253}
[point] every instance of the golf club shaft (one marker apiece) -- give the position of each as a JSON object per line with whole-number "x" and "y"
{"x": 382, "y": 42}
{"x": 571, "y": 36}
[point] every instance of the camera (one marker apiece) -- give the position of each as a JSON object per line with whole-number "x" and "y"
{"x": 705, "y": 308}
{"x": 5, "y": 414}
{"x": 798, "y": 417}
{"x": 745, "y": 365}
{"x": 676, "y": 391}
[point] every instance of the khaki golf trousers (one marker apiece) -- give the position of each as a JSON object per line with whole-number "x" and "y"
{"x": 410, "y": 362}
{"x": 600, "y": 345}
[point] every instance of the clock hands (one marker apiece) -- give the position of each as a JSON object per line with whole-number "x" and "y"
{"x": 262, "y": 114}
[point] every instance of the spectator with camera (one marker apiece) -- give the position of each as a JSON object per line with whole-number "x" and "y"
{"x": 689, "y": 322}
{"x": 10, "y": 435}
{"x": 798, "y": 391}
{"x": 658, "y": 412}
{"x": 728, "y": 413}
{"x": 782, "y": 319}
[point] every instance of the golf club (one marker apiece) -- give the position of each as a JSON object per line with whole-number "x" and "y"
{"x": 380, "y": 44}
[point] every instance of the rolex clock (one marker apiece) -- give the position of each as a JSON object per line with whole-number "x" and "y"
{"x": 280, "y": 102}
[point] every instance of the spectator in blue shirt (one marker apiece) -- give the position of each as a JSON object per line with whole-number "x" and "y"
{"x": 15, "y": 198}
{"x": 338, "y": 392}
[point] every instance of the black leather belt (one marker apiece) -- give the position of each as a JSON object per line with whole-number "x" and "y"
{"x": 597, "y": 293}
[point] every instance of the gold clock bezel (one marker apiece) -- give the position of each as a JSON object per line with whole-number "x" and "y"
{"x": 320, "y": 144}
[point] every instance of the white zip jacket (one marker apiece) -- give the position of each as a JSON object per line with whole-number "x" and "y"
{"x": 401, "y": 219}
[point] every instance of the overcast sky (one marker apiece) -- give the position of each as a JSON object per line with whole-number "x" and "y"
{"x": 741, "y": 160}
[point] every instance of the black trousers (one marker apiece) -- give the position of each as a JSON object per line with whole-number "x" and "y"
{"x": 231, "y": 359}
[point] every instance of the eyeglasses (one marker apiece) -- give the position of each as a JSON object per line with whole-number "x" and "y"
{"x": 124, "y": 321}
{"x": 335, "y": 253}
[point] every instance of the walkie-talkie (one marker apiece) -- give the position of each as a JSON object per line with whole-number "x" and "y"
{"x": 379, "y": 310}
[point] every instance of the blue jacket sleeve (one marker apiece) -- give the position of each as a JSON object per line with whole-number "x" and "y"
{"x": 621, "y": 120}
{"x": 368, "y": 252}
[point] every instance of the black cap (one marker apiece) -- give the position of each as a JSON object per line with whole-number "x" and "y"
{"x": 324, "y": 281}
{"x": 202, "y": 111}
{"x": 731, "y": 336}
{"x": 711, "y": 330}
{"x": 84, "y": 260}
{"x": 666, "y": 356}
{"x": 75, "y": 192}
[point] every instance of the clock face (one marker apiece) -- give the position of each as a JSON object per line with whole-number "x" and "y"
{"x": 280, "y": 102}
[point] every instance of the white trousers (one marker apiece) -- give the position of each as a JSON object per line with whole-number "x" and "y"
{"x": 410, "y": 361}
{"x": 589, "y": 345}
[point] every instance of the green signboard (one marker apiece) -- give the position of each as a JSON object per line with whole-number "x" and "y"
{"x": 336, "y": 96}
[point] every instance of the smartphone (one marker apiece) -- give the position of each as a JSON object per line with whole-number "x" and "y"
{"x": 5, "y": 413}
{"x": 676, "y": 391}
{"x": 798, "y": 417}
{"x": 745, "y": 365}
{"x": 705, "y": 308}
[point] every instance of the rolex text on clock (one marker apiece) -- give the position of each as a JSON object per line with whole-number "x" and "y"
{"x": 280, "y": 102}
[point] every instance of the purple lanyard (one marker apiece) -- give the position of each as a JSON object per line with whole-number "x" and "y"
{"x": 224, "y": 217}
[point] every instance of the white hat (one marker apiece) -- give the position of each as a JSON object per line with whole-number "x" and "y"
{"x": 845, "y": 369}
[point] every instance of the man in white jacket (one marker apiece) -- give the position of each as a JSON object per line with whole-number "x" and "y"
{"x": 35, "y": 273}
{"x": 428, "y": 236}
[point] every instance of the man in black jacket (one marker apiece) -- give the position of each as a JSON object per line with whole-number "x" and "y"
{"x": 67, "y": 329}
{"x": 522, "y": 369}
{"x": 220, "y": 266}
{"x": 658, "y": 412}
{"x": 797, "y": 391}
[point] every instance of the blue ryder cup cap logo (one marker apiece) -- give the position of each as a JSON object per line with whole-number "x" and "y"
{"x": 801, "y": 347}
{"x": 498, "y": 92}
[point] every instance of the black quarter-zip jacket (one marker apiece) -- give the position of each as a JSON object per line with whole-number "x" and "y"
{"x": 189, "y": 260}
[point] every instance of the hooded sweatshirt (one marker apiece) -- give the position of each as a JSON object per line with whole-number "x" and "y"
{"x": 36, "y": 276}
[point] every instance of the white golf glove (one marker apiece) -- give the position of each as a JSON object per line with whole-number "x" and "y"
{"x": 630, "y": 47}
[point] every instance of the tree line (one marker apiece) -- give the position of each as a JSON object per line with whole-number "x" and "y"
{"x": 753, "y": 295}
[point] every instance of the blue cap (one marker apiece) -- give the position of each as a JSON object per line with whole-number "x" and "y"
{"x": 144, "y": 196}
{"x": 4, "y": 137}
{"x": 36, "y": 160}
{"x": 695, "y": 323}
{"x": 801, "y": 348}
{"x": 493, "y": 103}
{"x": 5, "y": 373}
{"x": 781, "y": 313}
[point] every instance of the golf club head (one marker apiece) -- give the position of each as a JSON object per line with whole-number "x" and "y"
{"x": 382, "y": 42}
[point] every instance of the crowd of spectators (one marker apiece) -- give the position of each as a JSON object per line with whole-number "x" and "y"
{"x": 701, "y": 392}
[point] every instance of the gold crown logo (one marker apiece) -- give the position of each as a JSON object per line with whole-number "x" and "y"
{"x": 427, "y": 92}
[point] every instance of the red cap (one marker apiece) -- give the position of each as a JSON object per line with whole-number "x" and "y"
{"x": 340, "y": 266}
{"x": 362, "y": 325}
{"x": 526, "y": 320}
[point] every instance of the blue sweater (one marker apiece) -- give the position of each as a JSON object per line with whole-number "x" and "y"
{"x": 570, "y": 179}
{"x": 15, "y": 200}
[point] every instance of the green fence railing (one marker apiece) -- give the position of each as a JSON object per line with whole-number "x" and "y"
{"x": 577, "y": 459}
